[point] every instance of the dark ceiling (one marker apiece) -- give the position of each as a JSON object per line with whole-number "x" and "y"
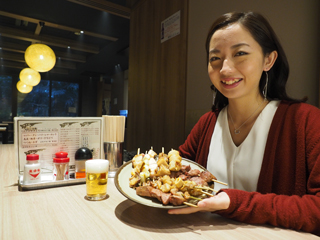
{"x": 99, "y": 51}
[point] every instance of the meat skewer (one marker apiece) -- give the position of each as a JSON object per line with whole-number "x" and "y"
{"x": 176, "y": 193}
{"x": 165, "y": 178}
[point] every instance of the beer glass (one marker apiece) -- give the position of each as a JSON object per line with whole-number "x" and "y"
{"x": 96, "y": 179}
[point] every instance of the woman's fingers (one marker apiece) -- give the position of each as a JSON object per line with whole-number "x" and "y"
{"x": 186, "y": 210}
{"x": 218, "y": 202}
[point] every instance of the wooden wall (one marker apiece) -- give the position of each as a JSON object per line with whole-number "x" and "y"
{"x": 157, "y": 77}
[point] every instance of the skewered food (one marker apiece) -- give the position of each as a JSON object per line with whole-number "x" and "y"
{"x": 174, "y": 160}
{"x": 164, "y": 177}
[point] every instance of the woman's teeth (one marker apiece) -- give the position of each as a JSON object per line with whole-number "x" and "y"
{"x": 231, "y": 81}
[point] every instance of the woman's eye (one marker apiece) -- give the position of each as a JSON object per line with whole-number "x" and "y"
{"x": 240, "y": 53}
{"x": 212, "y": 59}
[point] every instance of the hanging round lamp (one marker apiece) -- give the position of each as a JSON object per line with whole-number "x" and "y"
{"x": 40, "y": 57}
{"x": 30, "y": 77}
{"x": 23, "y": 88}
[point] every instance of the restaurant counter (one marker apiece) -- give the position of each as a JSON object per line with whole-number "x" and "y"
{"x": 63, "y": 213}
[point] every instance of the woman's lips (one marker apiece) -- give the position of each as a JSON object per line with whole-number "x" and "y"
{"x": 231, "y": 83}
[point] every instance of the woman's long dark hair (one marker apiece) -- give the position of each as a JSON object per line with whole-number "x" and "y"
{"x": 263, "y": 33}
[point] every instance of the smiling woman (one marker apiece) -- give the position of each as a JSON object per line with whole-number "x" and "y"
{"x": 236, "y": 61}
{"x": 267, "y": 41}
{"x": 264, "y": 144}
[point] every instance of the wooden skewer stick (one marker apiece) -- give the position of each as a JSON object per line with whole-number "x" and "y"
{"x": 207, "y": 188}
{"x": 190, "y": 204}
{"x": 219, "y": 182}
{"x": 138, "y": 152}
{"x": 209, "y": 194}
{"x": 195, "y": 198}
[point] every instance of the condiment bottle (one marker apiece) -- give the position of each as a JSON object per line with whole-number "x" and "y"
{"x": 32, "y": 169}
{"x": 81, "y": 156}
{"x": 61, "y": 166}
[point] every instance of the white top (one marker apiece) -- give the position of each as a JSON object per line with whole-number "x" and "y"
{"x": 239, "y": 166}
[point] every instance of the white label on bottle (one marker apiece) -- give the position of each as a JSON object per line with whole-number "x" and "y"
{"x": 32, "y": 173}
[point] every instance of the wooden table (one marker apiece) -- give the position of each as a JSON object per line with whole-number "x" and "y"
{"x": 63, "y": 213}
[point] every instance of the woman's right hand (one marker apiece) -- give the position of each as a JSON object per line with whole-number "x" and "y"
{"x": 220, "y": 201}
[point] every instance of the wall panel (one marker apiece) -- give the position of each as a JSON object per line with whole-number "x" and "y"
{"x": 157, "y": 77}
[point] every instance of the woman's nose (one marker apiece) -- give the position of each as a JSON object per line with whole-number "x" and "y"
{"x": 226, "y": 67}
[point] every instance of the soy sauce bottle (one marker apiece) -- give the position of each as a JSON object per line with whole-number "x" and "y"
{"x": 81, "y": 156}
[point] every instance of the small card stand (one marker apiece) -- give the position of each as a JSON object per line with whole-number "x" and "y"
{"x": 47, "y": 135}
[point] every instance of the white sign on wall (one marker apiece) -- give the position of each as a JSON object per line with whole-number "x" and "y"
{"x": 170, "y": 27}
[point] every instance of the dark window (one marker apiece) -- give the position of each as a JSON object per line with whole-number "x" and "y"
{"x": 5, "y": 98}
{"x": 36, "y": 103}
{"x": 48, "y": 98}
{"x": 64, "y": 99}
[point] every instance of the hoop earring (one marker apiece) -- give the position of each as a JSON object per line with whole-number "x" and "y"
{"x": 214, "y": 94}
{"x": 265, "y": 89}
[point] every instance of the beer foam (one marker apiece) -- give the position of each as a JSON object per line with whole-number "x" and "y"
{"x": 97, "y": 166}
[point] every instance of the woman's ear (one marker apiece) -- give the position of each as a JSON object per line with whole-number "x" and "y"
{"x": 270, "y": 60}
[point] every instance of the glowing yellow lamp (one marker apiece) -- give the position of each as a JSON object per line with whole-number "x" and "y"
{"x": 23, "y": 88}
{"x": 30, "y": 77}
{"x": 40, "y": 57}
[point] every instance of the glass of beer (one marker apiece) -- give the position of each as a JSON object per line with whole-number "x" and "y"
{"x": 96, "y": 179}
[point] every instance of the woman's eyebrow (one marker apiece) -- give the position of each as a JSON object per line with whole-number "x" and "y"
{"x": 214, "y": 50}
{"x": 240, "y": 45}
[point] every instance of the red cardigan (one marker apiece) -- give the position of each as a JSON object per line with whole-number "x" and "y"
{"x": 288, "y": 191}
